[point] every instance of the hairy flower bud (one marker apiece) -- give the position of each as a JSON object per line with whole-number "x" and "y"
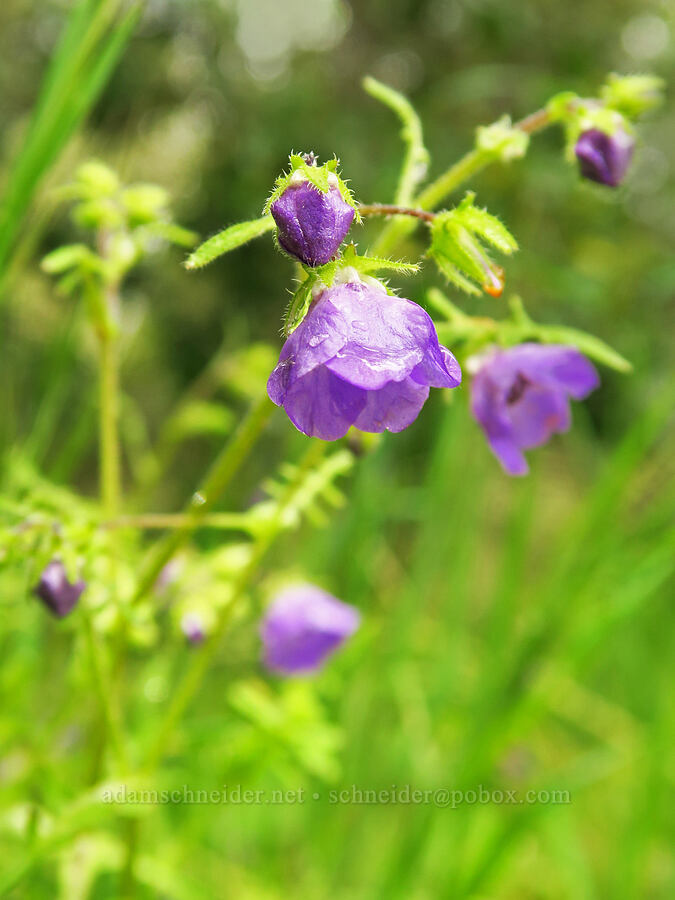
{"x": 302, "y": 626}
{"x": 604, "y": 157}
{"x": 311, "y": 224}
{"x": 58, "y": 594}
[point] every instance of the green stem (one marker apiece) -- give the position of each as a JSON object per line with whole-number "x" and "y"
{"x": 108, "y": 425}
{"x": 436, "y": 192}
{"x": 223, "y": 470}
{"x": 189, "y": 686}
{"x": 102, "y": 684}
{"x": 149, "y": 521}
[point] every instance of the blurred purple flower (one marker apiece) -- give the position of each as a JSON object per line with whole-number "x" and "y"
{"x": 192, "y": 627}
{"x": 311, "y": 224}
{"x": 360, "y": 357}
{"x": 520, "y": 397}
{"x": 302, "y": 626}
{"x": 604, "y": 157}
{"x": 58, "y": 594}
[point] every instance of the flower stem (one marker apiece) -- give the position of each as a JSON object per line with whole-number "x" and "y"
{"x": 201, "y": 662}
{"x": 221, "y": 473}
{"x": 436, "y": 192}
{"x": 388, "y": 209}
{"x": 108, "y": 425}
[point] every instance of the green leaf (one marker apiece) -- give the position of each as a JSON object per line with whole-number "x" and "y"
{"x": 229, "y": 239}
{"x": 416, "y": 159}
{"x": 173, "y": 234}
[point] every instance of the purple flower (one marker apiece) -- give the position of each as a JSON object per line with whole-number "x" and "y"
{"x": 311, "y": 224}
{"x": 193, "y": 628}
{"x": 56, "y": 592}
{"x": 360, "y": 357}
{"x": 302, "y": 626}
{"x": 520, "y": 397}
{"x": 604, "y": 157}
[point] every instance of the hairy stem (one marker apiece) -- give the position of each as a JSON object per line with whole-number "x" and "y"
{"x": 436, "y": 192}
{"x": 391, "y": 209}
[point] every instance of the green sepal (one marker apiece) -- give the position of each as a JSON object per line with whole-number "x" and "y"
{"x": 632, "y": 95}
{"x": 322, "y": 177}
{"x": 367, "y": 265}
{"x": 228, "y": 239}
{"x": 457, "y": 244}
{"x": 300, "y": 303}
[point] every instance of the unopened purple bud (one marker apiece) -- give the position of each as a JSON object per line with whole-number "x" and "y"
{"x": 192, "y": 627}
{"x": 311, "y": 224}
{"x": 604, "y": 157}
{"x": 58, "y": 594}
{"x": 302, "y": 626}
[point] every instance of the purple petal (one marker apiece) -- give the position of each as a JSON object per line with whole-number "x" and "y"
{"x": 394, "y": 407}
{"x": 388, "y": 336}
{"x": 604, "y": 157}
{"x": 555, "y": 366}
{"x": 302, "y": 626}
{"x": 317, "y": 339}
{"x": 322, "y": 405}
{"x": 439, "y": 368}
{"x": 537, "y": 415}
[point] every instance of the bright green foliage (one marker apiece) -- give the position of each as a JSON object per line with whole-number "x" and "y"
{"x": 457, "y": 245}
{"x": 229, "y": 239}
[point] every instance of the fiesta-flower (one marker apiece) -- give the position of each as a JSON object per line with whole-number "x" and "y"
{"x": 302, "y": 626}
{"x": 58, "y": 594}
{"x": 520, "y": 397}
{"x": 311, "y": 223}
{"x": 360, "y": 357}
{"x": 604, "y": 157}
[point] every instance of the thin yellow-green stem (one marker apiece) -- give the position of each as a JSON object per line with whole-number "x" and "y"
{"x": 220, "y": 475}
{"x": 454, "y": 177}
{"x": 190, "y": 684}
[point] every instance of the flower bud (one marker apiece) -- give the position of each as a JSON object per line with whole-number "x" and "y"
{"x": 604, "y": 157}
{"x": 311, "y": 223}
{"x": 193, "y": 628}
{"x": 302, "y": 627}
{"x": 58, "y": 594}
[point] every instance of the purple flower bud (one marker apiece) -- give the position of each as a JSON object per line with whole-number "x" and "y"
{"x": 302, "y": 626}
{"x": 604, "y": 157}
{"x": 311, "y": 224}
{"x": 360, "y": 357}
{"x": 56, "y": 592}
{"x": 520, "y": 397}
{"x": 192, "y": 627}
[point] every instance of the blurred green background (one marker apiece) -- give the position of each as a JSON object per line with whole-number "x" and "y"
{"x": 517, "y": 634}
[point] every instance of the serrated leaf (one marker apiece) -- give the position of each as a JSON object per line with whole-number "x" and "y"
{"x": 453, "y": 274}
{"x": 229, "y": 239}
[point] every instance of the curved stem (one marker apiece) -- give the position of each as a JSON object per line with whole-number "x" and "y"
{"x": 391, "y": 209}
{"x": 434, "y": 194}
{"x": 201, "y": 662}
